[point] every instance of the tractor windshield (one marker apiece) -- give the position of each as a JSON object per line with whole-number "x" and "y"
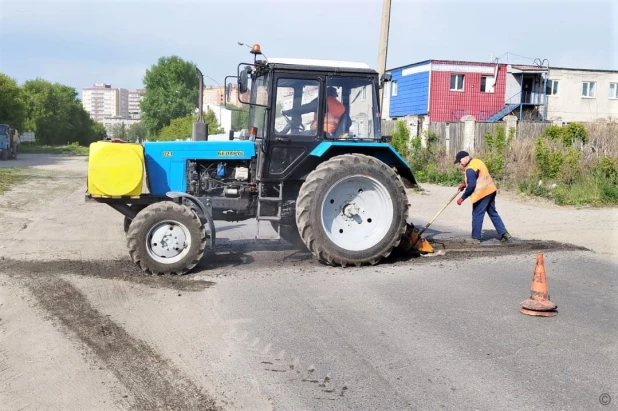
{"x": 360, "y": 121}
{"x": 4, "y": 130}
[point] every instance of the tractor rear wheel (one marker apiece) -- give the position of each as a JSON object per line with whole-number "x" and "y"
{"x": 289, "y": 230}
{"x": 126, "y": 224}
{"x": 289, "y": 233}
{"x": 166, "y": 238}
{"x": 352, "y": 210}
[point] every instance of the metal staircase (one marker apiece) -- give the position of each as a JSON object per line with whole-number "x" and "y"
{"x": 502, "y": 113}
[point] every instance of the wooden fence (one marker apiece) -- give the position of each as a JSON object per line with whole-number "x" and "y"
{"x": 450, "y": 135}
{"x": 530, "y": 129}
{"x": 388, "y": 127}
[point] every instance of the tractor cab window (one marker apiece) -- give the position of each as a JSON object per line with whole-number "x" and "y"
{"x": 296, "y": 107}
{"x": 351, "y": 109}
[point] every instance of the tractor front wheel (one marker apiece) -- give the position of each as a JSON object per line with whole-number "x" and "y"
{"x": 352, "y": 210}
{"x": 166, "y": 238}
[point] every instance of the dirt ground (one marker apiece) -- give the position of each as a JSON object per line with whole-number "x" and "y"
{"x": 108, "y": 337}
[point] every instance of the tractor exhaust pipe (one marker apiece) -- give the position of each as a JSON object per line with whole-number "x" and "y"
{"x": 200, "y": 129}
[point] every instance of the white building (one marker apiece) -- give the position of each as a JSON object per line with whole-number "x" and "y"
{"x": 581, "y": 95}
{"x": 102, "y": 101}
{"x": 223, "y": 115}
{"x": 134, "y": 100}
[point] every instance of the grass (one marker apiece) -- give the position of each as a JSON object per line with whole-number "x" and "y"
{"x": 10, "y": 177}
{"x": 70, "y": 149}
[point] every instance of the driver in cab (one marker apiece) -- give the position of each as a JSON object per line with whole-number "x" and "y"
{"x": 334, "y": 111}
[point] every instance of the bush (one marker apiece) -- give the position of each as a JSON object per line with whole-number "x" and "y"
{"x": 401, "y": 138}
{"x": 431, "y": 164}
{"x": 606, "y": 168}
{"x": 571, "y": 166}
{"x": 495, "y": 157}
{"x": 573, "y": 132}
{"x": 548, "y": 160}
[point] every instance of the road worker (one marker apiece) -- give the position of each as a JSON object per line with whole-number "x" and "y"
{"x": 480, "y": 188}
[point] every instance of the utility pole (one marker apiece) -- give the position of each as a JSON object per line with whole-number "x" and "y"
{"x": 383, "y": 47}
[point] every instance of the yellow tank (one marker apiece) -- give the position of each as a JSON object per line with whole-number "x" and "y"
{"x": 115, "y": 169}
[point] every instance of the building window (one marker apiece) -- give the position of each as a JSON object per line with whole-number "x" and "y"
{"x": 613, "y": 90}
{"x": 589, "y": 89}
{"x": 394, "y": 88}
{"x": 487, "y": 84}
{"x": 457, "y": 82}
{"x": 552, "y": 87}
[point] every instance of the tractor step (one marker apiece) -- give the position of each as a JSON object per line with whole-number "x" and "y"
{"x": 259, "y": 217}
{"x": 269, "y": 218}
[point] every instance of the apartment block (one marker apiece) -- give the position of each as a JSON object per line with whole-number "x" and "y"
{"x": 101, "y": 101}
{"x": 134, "y": 100}
{"x": 215, "y": 96}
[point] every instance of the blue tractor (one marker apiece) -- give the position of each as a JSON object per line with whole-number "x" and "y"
{"x": 8, "y": 142}
{"x": 329, "y": 183}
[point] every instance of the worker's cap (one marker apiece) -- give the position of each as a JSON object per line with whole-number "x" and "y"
{"x": 332, "y": 91}
{"x": 460, "y": 155}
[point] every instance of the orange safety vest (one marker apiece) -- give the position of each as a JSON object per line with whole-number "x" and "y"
{"x": 334, "y": 112}
{"x": 484, "y": 183}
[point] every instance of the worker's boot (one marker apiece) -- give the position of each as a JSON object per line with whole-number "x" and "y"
{"x": 505, "y": 237}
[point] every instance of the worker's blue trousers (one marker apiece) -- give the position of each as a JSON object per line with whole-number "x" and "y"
{"x": 486, "y": 205}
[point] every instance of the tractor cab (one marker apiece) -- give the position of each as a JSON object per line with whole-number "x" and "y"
{"x": 298, "y": 104}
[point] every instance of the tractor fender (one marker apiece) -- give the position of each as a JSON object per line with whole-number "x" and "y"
{"x": 211, "y": 225}
{"x": 381, "y": 151}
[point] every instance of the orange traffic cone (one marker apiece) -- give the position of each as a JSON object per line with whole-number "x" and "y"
{"x": 538, "y": 304}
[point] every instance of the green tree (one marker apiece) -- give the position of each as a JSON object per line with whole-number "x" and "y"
{"x": 171, "y": 92}
{"x": 179, "y": 128}
{"x": 54, "y": 112}
{"x": 12, "y": 107}
{"x": 97, "y": 132}
{"x": 137, "y": 132}
{"x": 119, "y": 131}
{"x": 210, "y": 118}
{"x": 182, "y": 128}
{"x": 240, "y": 117}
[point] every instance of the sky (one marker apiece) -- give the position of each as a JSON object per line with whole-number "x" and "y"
{"x": 80, "y": 42}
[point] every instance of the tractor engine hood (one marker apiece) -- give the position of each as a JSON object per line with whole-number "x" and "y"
{"x": 166, "y": 161}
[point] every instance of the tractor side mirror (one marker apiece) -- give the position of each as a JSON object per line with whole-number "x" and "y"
{"x": 228, "y": 92}
{"x": 244, "y": 86}
{"x": 385, "y": 77}
{"x": 243, "y": 80}
{"x": 229, "y": 88}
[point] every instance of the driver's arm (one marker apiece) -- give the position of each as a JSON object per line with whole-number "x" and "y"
{"x": 310, "y": 107}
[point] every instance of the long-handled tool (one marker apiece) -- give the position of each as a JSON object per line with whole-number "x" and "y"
{"x": 414, "y": 236}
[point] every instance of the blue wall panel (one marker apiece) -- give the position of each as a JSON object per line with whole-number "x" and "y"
{"x": 412, "y": 92}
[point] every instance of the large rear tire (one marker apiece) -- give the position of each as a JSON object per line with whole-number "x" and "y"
{"x": 352, "y": 210}
{"x": 289, "y": 229}
{"x": 166, "y": 238}
{"x": 290, "y": 234}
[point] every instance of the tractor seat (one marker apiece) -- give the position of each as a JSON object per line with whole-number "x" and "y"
{"x": 344, "y": 125}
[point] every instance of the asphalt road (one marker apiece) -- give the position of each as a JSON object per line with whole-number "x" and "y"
{"x": 260, "y": 325}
